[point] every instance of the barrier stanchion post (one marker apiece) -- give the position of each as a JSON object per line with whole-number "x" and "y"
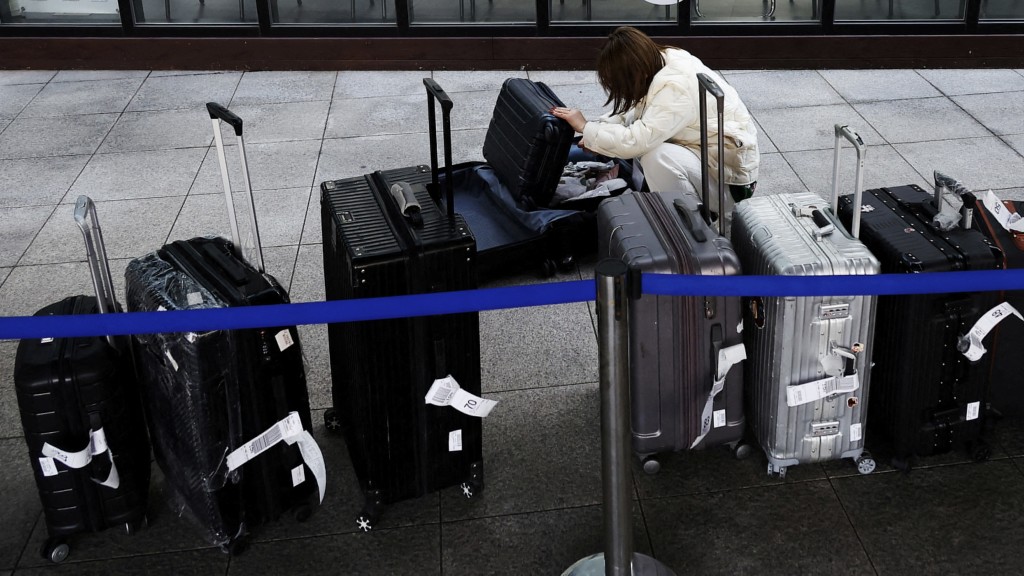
{"x": 618, "y": 559}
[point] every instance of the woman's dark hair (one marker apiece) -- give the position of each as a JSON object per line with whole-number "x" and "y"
{"x": 626, "y": 66}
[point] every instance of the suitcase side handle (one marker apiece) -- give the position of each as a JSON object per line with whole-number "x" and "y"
{"x": 708, "y": 85}
{"x": 96, "y": 251}
{"x": 435, "y": 92}
{"x": 687, "y": 216}
{"x": 847, "y": 133}
{"x": 220, "y": 114}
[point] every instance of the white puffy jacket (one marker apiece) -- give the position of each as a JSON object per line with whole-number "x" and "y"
{"x": 670, "y": 112}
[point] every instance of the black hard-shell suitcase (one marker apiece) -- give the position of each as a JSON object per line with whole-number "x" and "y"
{"x": 526, "y": 144}
{"x": 926, "y": 396}
{"x": 78, "y": 397}
{"x": 228, "y": 410}
{"x": 686, "y": 384}
{"x": 1007, "y": 398}
{"x": 382, "y": 370}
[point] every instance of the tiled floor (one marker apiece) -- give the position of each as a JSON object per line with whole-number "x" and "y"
{"x": 139, "y": 143}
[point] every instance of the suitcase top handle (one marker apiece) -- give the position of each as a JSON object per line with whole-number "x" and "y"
{"x": 435, "y": 92}
{"x": 845, "y": 132}
{"x": 218, "y": 112}
{"x": 707, "y": 84}
{"x": 96, "y": 251}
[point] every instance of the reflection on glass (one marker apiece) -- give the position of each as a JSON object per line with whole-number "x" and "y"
{"x": 468, "y": 11}
{"x": 332, "y": 11}
{"x": 624, "y": 11}
{"x": 195, "y": 11}
{"x": 900, "y": 10}
{"x": 754, "y": 10}
{"x": 59, "y": 12}
{"x": 1002, "y": 10}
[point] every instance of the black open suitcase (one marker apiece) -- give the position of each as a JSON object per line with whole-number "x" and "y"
{"x": 926, "y": 396}
{"x": 382, "y": 370}
{"x": 79, "y": 396}
{"x": 214, "y": 398}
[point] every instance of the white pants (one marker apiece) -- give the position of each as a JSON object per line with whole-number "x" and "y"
{"x": 673, "y": 167}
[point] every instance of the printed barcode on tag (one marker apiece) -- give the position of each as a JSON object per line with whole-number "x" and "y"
{"x": 266, "y": 440}
{"x": 441, "y": 395}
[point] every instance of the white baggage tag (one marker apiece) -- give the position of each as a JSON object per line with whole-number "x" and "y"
{"x": 447, "y": 392}
{"x": 312, "y": 457}
{"x": 973, "y": 410}
{"x": 855, "y": 432}
{"x": 194, "y": 299}
{"x": 47, "y": 466}
{"x": 455, "y": 441}
{"x": 1008, "y": 220}
{"x": 284, "y": 339}
{"x": 442, "y": 391}
{"x": 811, "y": 391}
{"x": 74, "y": 460}
{"x": 298, "y": 475}
{"x": 727, "y": 358}
{"x": 288, "y": 427}
{"x": 174, "y": 363}
{"x": 971, "y": 345}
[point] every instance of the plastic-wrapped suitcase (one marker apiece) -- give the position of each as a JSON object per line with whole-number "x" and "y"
{"x": 928, "y": 397}
{"x": 82, "y": 416}
{"x": 526, "y": 144}
{"x": 228, "y": 410}
{"x": 684, "y": 389}
{"x": 1006, "y": 396}
{"x": 809, "y": 358}
{"x": 386, "y": 236}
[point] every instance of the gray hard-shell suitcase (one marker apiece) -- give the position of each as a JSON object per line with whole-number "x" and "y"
{"x": 808, "y": 372}
{"x": 681, "y": 348}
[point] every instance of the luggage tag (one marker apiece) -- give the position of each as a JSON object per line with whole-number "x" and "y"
{"x": 447, "y": 392}
{"x": 1008, "y": 220}
{"x": 80, "y": 459}
{"x": 289, "y": 430}
{"x": 811, "y": 391}
{"x": 971, "y": 345}
{"x": 711, "y": 418}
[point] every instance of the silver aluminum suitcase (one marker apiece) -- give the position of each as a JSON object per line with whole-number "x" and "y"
{"x": 686, "y": 384}
{"x": 808, "y": 371}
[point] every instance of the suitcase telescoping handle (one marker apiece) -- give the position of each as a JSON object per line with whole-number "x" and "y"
{"x": 707, "y": 84}
{"x": 96, "y": 251}
{"x": 435, "y": 92}
{"x": 845, "y": 132}
{"x": 220, "y": 114}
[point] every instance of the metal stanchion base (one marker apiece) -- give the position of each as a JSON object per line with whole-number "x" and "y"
{"x": 643, "y": 565}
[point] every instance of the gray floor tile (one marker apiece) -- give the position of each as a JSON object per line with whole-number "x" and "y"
{"x": 542, "y": 451}
{"x": 280, "y": 214}
{"x": 10, "y": 77}
{"x": 312, "y": 231}
{"x": 545, "y": 542}
{"x": 191, "y": 92}
{"x": 783, "y": 89}
{"x": 455, "y": 81}
{"x": 398, "y": 551}
{"x": 348, "y": 157}
{"x": 38, "y": 181}
{"x": 308, "y": 279}
{"x": 759, "y": 531}
{"x": 71, "y": 98}
{"x": 1008, "y": 434}
{"x": 159, "y": 130}
{"x": 272, "y": 166}
{"x": 316, "y": 353}
{"x": 61, "y": 136}
{"x": 467, "y": 146}
{"x": 10, "y": 416}
{"x": 1017, "y": 142}
{"x": 872, "y": 85}
{"x": 1000, "y": 113}
{"x": 134, "y": 175}
{"x": 271, "y": 87}
{"x": 21, "y": 295}
{"x": 373, "y": 84}
{"x": 883, "y": 166}
{"x": 471, "y": 110}
{"x": 3, "y": 274}
{"x": 957, "y": 82}
{"x": 18, "y": 228}
{"x": 813, "y": 127}
{"x": 14, "y": 98}
{"x": 279, "y": 122}
{"x": 130, "y": 229}
{"x": 280, "y": 263}
{"x": 979, "y": 163}
{"x": 162, "y": 73}
{"x": 775, "y": 176}
{"x": 914, "y": 120}
{"x": 764, "y": 143}
{"x": 563, "y": 77}
{"x": 558, "y": 340}
{"x": 928, "y": 522}
{"x": 169, "y": 564}
{"x": 20, "y": 502}
{"x": 377, "y": 116}
{"x": 92, "y": 75}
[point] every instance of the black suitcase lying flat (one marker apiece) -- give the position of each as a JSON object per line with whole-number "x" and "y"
{"x": 382, "y": 370}
{"x": 72, "y": 392}
{"x": 926, "y": 396}
{"x": 212, "y": 396}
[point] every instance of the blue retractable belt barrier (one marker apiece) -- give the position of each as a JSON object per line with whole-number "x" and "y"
{"x": 496, "y": 298}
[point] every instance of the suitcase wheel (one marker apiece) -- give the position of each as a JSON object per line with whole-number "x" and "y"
{"x": 55, "y": 550}
{"x": 471, "y": 489}
{"x": 865, "y": 463}
{"x": 742, "y": 450}
{"x": 331, "y": 421}
{"x": 303, "y": 513}
{"x": 773, "y": 469}
{"x": 547, "y": 268}
{"x": 650, "y": 465}
{"x": 365, "y": 521}
{"x": 133, "y": 527}
{"x": 979, "y": 450}
{"x": 901, "y": 464}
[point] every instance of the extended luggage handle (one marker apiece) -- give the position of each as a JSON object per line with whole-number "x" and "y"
{"x": 220, "y": 114}
{"x": 96, "y": 252}
{"x": 845, "y": 132}
{"x": 707, "y": 84}
{"x": 435, "y": 92}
